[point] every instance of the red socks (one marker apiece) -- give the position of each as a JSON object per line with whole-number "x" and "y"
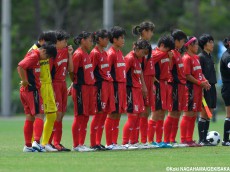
{"x": 115, "y": 130}
{"x": 144, "y": 129}
{"x": 83, "y": 130}
{"x": 38, "y": 129}
{"x": 58, "y": 132}
{"x": 76, "y": 129}
{"x": 100, "y": 128}
{"x": 109, "y": 131}
{"x": 168, "y": 128}
{"x": 93, "y": 129}
{"x": 151, "y": 130}
{"x": 174, "y": 129}
{"x": 159, "y": 130}
{"x": 128, "y": 127}
{"x": 28, "y": 132}
{"x": 190, "y": 129}
{"x": 134, "y": 136}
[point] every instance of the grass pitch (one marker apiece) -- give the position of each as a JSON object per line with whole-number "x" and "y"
{"x": 13, "y": 159}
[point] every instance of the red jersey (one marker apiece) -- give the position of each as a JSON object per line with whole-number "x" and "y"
{"x": 83, "y": 68}
{"x": 178, "y": 68}
{"x": 162, "y": 65}
{"x": 133, "y": 69}
{"x": 117, "y": 62}
{"x": 31, "y": 65}
{"x": 101, "y": 65}
{"x": 192, "y": 66}
{"x": 59, "y": 65}
{"x": 148, "y": 66}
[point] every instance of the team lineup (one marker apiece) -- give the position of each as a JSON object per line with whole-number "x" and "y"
{"x": 145, "y": 85}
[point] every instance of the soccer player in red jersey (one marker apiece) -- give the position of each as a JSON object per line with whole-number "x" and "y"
{"x": 162, "y": 59}
{"x": 193, "y": 91}
{"x": 59, "y": 67}
{"x": 83, "y": 91}
{"x": 117, "y": 63}
{"x": 145, "y": 31}
{"x": 135, "y": 99}
{"x": 176, "y": 90}
{"x": 29, "y": 72}
{"x": 104, "y": 84}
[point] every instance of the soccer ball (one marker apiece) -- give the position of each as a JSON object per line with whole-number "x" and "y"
{"x": 213, "y": 137}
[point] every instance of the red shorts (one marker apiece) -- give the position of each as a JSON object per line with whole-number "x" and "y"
{"x": 161, "y": 96}
{"x": 193, "y": 98}
{"x": 32, "y": 102}
{"x": 105, "y": 97}
{"x": 60, "y": 94}
{"x": 84, "y": 99}
{"x": 176, "y": 100}
{"x": 135, "y": 100}
{"x": 120, "y": 97}
{"x": 150, "y": 99}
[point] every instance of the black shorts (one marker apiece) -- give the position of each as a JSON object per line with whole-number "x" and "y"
{"x": 211, "y": 96}
{"x": 225, "y": 92}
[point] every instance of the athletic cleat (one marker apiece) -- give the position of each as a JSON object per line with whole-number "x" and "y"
{"x": 165, "y": 145}
{"x": 227, "y": 143}
{"x": 60, "y": 147}
{"x": 115, "y": 147}
{"x": 98, "y": 148}
{"x": 142, "y": 145}
{"x": 178, "y": 145}
{"x": 49, "y": 148}
{"x": 129, "y": 146}
{"x": 205, "y": 143}
{"x": 83, "y": 148}
{"x": 155, "y": 144}
{"x": 38, "y": 147}
{"x": 29, "y": 149}
{"x": 193, "y": 144}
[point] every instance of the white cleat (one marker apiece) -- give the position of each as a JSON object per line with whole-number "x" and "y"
{"x": 142, "y": 146}
{"x": 82, "y": 148}
{"x": 29, "y": 149}
{"x": 115, "y": 147}
{"x": 50, "y": 148}
{"x": 129, "y": 146}
{"x": 38, "y": 147}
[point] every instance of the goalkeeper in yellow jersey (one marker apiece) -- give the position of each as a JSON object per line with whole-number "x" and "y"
{"x": 47, "y": 93}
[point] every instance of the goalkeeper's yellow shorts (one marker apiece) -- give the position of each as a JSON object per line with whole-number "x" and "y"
{"x": 47, "y": 93}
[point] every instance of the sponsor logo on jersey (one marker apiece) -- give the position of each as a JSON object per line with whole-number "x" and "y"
{"x": 120, "y": 64}
{"x": 88, "y": 66}
{"x": 137, "y": 71}
{"x": 164, "y": 60}
{"x": 104, "y": 65}
{"x": 180, "y": 65}
{"x": 62, "y": 61}
{"x": 196, "y": 68}
{"x": 37, "y": 69}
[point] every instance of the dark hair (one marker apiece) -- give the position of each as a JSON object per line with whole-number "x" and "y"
{"x": 143, "y": 44}
{"x": 102, "y": 33}
{"x": 178, "y": 35}
{"x": 51, "y": 50}
{"x": 225, "y": 42}
{"x": 204, "y": 39}
{"x": 116, "y": 32}
{"x": 48, "y": 36}
{"x": 82, "y": 35}
{"x": 62, "y": 35}
{"x": 146, "y": 25}
{"x": 168, "y": 42}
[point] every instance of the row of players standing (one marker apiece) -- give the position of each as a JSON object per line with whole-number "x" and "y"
{"x": 99, "y": 77}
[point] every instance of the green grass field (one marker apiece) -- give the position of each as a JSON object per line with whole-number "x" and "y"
{"x": 13, "y": 159}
